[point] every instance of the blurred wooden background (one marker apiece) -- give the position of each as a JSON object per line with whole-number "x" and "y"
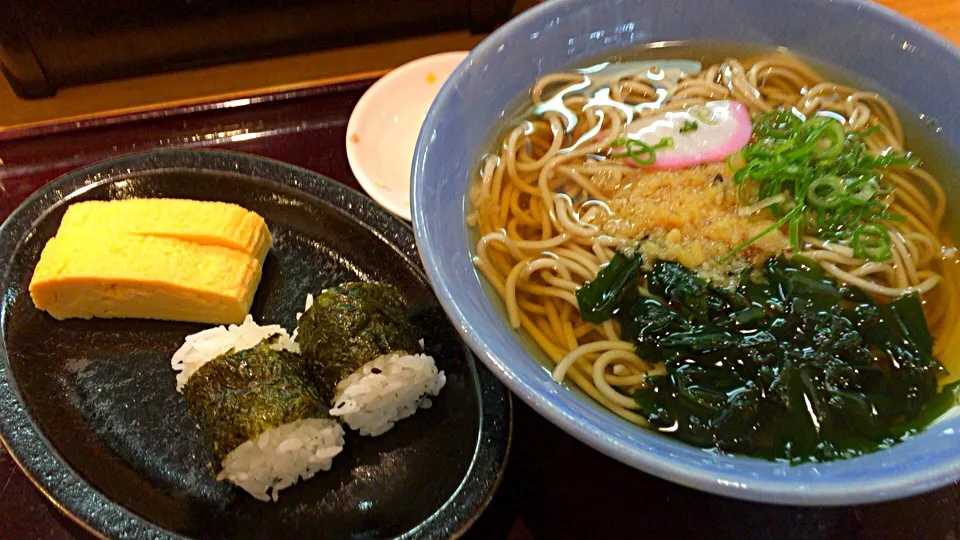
{"x": 301, "y": 70}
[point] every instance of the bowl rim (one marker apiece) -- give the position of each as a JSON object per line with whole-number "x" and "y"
{"x": 838, "y": 492}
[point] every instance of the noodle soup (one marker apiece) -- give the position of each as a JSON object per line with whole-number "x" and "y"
{"x": 740, "y": 251}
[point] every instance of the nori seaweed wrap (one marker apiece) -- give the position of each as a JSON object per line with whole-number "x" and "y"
{"x": 239, "y": 395}
{"x": 352, "y": 324}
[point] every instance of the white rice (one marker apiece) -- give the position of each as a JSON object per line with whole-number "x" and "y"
{"x": 279, "y": 457}
{"x": 308, "y": 305}
{"x": 386, "y": 390}
{"x": 200, "y": 348}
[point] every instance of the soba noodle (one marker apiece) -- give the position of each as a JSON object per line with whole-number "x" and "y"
{"x": 536, "y": 250}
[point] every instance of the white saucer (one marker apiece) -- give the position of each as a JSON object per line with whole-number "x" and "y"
{"x": 384, "y": 126}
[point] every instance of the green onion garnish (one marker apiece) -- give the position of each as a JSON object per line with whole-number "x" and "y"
{"x": 834, "y": 186}
{"x": 775, "y": 124}
{"x": 871, "y": 241}
{"x": 703, "y": 115}
{"x": 826, "y": 191}
{"x": 639, "y": 151}
{"x": 689, "y": 125}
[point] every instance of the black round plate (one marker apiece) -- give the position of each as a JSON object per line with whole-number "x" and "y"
{"x": 89, "y": 408}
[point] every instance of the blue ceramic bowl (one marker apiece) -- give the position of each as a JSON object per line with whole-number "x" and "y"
{"x": 914, "y": 65}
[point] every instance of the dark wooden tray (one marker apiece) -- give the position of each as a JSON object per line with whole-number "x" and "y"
{"x": 554, "y": 487}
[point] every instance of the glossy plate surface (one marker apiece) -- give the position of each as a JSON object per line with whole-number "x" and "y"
{"x": 861, "y": 37}
{"x": 89, "y": 409}
{"x": 383, "y": 128}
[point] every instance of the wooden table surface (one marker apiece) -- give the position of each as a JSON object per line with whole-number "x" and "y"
{"x": 942, "y": 16}
{"x": 532, "y": 502}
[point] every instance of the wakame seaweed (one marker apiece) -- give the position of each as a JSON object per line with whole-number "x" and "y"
{"x": 598, "y": 298}
{"x": 350, "y": 325}
{"x": 793, "y": 367}
{"x": 238, "y": 395}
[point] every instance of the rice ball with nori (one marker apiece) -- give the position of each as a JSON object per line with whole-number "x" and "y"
{"x": 263, "y": 418}
{"x": 362, "y": 352}
{"x": 351, "y": 324}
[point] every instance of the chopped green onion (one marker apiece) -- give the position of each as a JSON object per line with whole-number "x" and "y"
{"x": 862, "y": 191}
{"x": 831, "y": 138}
{"x": 639, "y": 151}
{"x": 796, "y": 233}
{"x": 825, "y": 192}
{"x": 634, "y": 150}
{"x": 778, "y": 124}
{"x": 703, "y": 115}
{"x": 833, "y": 185}
{"x": 779, "y": 223}
{"x": 689, "y": 125}
{"x": 871, "y": 242}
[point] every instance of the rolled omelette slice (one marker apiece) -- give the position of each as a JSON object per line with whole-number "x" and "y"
{"x": 202, "y": 222}
{"x": 130, "y": 263}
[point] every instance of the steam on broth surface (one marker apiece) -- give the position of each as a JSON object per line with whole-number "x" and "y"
{"x": 736, "y": 252}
